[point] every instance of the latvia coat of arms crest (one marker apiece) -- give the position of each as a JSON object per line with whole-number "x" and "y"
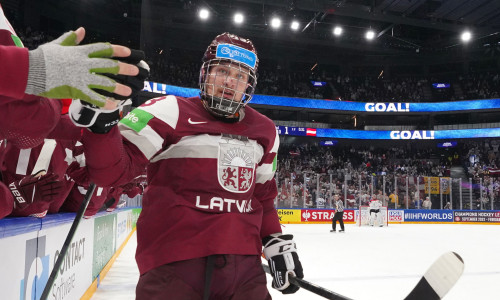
{"x": 236, "y": 163}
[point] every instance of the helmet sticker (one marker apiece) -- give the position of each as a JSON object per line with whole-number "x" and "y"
{"x": 232, "y": 52}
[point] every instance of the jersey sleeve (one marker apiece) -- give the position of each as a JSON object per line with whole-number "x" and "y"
{"x": 123, "y": 153}
{"x": 266, "y": 189}
{"x": 14, "y": 65}
{"x": 65, "y": 129}
{"x": 6, "y": 201}
{"x": 26, "y": 122}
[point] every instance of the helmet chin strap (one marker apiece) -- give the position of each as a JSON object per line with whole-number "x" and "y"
{"x": 236, "y": 117}
{"x": 221, "y": 106}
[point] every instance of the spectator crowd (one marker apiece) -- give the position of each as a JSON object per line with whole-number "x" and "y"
{"x": 400, "y": 177}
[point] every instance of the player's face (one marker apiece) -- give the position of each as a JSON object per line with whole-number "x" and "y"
{"x": 227, "y": 80}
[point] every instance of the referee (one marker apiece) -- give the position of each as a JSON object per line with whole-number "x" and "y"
{"x": 339, "y": 214}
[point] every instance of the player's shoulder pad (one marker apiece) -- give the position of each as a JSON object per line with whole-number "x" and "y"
{"x": 266, "y": 126}
{"x": 165, "y": 108}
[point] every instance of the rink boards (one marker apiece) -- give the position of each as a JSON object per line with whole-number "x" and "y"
{"x": 396, "y": 216}
{"x": 30, "y": 247}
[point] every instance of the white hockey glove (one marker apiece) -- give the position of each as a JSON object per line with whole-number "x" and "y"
{"x": 281, "y": 253}
{"x": 61, "y": 69}
{"x": 96, "y": 119}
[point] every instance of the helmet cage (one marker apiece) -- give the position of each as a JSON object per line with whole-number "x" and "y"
{"x": 232, "y": 99}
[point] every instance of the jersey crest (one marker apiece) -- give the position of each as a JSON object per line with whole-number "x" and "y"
{"x": 236, "y": 163}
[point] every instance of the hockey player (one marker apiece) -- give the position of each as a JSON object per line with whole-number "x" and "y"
{"x": 50, "y": 184}
{"x": 131, "y": 190}
{"x": 76, "y": 196}
{"x": 375, "y": 205}
{"x": 208, "y": 208}
{"x": 78, "y": 175}
{"x": 53, "y": 156}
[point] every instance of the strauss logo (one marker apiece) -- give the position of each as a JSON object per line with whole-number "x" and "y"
{"x": 306, "y": 215}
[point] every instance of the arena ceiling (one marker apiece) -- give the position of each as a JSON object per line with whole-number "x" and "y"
{"x": 403, "y": 27}
{"x": 406, "y": 30}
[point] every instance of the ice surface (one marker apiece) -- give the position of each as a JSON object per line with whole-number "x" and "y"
{"x": 366, "y": 262}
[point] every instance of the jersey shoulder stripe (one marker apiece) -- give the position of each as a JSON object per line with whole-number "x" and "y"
{"x": 165, "y": 109}
{"x": 148, "y": 140}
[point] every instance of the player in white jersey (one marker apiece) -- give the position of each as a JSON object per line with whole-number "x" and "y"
{"x": 375, "y": 206}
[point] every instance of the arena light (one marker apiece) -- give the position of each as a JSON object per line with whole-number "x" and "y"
{"x": 295, "y": 25}
{"x": 204, "y": 14}
{"x": 370, "y": 35}
{"x": 238, "y": 18}
{"x": 337, "y": 30}
{"x": 466, "y": 36}
{"x": 275, "y": 22}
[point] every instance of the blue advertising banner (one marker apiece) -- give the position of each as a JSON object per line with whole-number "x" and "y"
{"x": 346, "y": 106}
{"x": 426, "y": 215}
{"x": 466, "y": 216}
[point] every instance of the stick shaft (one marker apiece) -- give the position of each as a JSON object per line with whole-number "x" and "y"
{"x": 67, "y": 242}
{"x": 311, "y": 287}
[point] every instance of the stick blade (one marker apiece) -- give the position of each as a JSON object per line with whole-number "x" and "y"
{"x": 439, "y": 278}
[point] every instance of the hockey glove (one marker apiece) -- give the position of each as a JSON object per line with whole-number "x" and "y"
{"x": 96, "y": 119}
{"x": 281, "y": 253}
{"x": 136, "y": 83}
{"x": 61, "y": 69}
{"x": 35, "y": 188}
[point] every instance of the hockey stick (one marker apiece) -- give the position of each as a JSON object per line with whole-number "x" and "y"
{"x": 311, "y": 287}
{"x": 43, "y": 161}
{"x": 67, "y": 242}
{"x": 434, "y": 285}
{"x": 439, "y": 278}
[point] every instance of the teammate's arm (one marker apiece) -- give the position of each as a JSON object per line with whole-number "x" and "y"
{"x": 62, "y": 69}
{"x": 111, "y": 159}
{"x": 118, "y": 156}
{"x": 6, "y": 201}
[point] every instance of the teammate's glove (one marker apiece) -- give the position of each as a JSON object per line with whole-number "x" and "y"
{"x": 96, "y": 119}
{"x": 61, "y": 69}
{"x": 35, "y": 188}
{"x": 135, "y": 82}
{"x": 281, "y": 253}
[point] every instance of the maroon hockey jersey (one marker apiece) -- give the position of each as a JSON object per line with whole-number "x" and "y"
{"x": 76, "y": 196}
{"x": 211, "y": 184}
{"x": 20, "y": 162}
{"x": 6, "y": 201}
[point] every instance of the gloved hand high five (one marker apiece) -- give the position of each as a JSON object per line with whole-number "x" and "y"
{"x": 35, "y": 188}
{"x": 281, "y": 252}
{"x": 134, "y": 82}
{"x": 62, "y": 69}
